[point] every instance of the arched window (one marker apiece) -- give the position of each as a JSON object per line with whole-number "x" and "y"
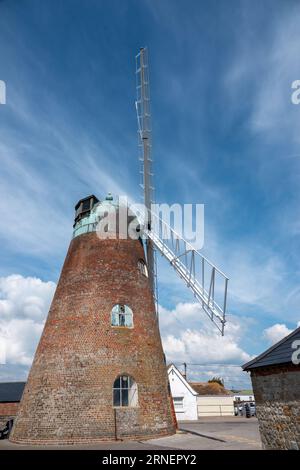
{"x": 125, "y": 391}
{"x": 121, "y": 315}
{"x": 142, "y": 267}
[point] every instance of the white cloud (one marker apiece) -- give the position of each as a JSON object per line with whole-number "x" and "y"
{"x": 24, "y": 304}
{"x": 188, "y": 338}
{"x": 203, "y": 347}
{"x": 3, "y": 347}
{"x": 276, "y": 332}
{"x": 24, "y": 297}
{"x": 22, "y": 339}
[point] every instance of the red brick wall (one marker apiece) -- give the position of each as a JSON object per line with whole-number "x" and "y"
{"x": 8, "y": 409}
{"x": 68, "y": 396}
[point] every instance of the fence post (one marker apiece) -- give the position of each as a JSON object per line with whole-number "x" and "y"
{"x": 115, "y": 420}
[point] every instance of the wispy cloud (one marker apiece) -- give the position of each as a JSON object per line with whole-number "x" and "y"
{"x": 188, "y": 338}
{"x": 225, "y": 134}
{"x": 24, "y": 304}
{"x": 276, "y": 332}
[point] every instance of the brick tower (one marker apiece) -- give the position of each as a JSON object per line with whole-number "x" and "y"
{"x": 99, "y": 370}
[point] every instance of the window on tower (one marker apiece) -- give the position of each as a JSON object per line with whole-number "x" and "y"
{"x": 86, "y": 205}
{"x": 121, "y": 315}
{"x": 142, "y": 267}
{"x": 125, "y": 391}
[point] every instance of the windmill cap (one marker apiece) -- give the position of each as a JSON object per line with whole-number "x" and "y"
{"x": 90, "y": 210}
{"x": 91, "y": 197}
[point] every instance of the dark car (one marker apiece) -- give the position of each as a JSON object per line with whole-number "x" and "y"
{"x": 250, "y": 409}
{"x": 253, "y": 409}
{"x": 247, "y": 410}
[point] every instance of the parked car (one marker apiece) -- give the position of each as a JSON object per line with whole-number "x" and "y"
{"x": 253, "y": 409}
{"x": 238, "y": 410}
{"x": 249, "y": 409}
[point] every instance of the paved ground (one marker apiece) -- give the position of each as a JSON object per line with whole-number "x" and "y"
{"x": 232, "y": 432}
{"x": 208, "y": 433}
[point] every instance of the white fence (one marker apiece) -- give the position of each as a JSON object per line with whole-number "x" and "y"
{"x": 215, "y": 406}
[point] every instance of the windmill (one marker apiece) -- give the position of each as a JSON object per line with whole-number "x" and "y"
{"x": 201, "y": 276}
{"x": 99, "y": 370}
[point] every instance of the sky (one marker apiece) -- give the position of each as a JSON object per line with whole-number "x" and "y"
{"x": 225, "y": 134}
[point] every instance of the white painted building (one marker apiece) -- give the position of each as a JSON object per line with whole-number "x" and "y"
{"x": 195, "y": 400}
{"x": 184, "y": 396}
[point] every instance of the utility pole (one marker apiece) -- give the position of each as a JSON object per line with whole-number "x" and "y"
{"x": 185, "y": 370}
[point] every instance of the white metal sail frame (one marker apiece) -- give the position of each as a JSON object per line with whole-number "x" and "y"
{"x": 208, "y": 284}
{"x": 143, "y": 111}
{"x": 204, "y": 279}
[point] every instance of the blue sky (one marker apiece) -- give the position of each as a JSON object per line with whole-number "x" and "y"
{"x": 225, "y": 134}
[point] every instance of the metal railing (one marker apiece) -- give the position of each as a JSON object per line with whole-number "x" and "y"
{"x": 208, "y": 284}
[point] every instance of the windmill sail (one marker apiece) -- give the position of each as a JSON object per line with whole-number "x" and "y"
{"x": 144, "y": 141}
{"x": 208, "y": 284}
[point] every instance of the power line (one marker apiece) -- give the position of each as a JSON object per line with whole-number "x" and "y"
{"x": 207, "y": 364}
{"x": 242, "y": 378}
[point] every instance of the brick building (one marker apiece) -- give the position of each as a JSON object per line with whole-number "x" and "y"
{"x": 275, "y": 377}
{"x": 99, "y": 370}
{"x": 10, "y": 397}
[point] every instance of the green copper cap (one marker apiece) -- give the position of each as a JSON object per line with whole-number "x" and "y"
{"x": 109, "y": 197}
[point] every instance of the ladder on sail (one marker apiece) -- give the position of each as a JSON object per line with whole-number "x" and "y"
{"x": 208, "y": 284}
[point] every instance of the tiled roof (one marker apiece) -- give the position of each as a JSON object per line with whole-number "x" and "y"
{"x": 279, "y": 353}
{"x": 11, "y": 391}
{"x": 212, "y": 388}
